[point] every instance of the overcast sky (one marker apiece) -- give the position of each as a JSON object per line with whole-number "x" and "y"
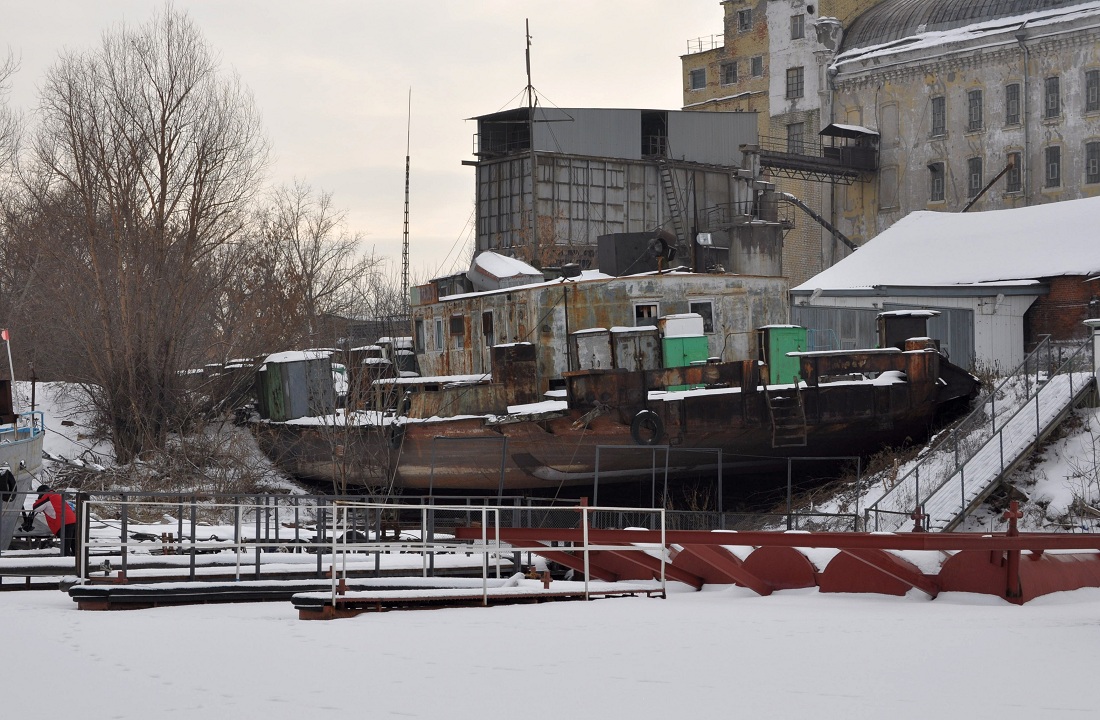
{"x": 332, "y": 79}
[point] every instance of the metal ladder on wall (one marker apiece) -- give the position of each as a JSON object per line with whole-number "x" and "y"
{"x": 672, "y": 199}
{"x": 788, "y": 415}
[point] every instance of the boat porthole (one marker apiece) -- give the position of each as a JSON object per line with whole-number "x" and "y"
{"x": 647, "y": 428}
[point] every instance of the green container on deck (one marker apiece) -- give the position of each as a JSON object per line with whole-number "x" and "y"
{"x": 684, "y": 352}
{"x": 775, "y": 342}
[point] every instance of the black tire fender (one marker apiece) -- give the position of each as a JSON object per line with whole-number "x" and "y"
{"x": 647, "y": 428}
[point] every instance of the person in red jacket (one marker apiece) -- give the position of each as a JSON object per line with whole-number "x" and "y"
{"x": 60, "y": 516}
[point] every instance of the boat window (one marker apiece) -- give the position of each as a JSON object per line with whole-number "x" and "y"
{"x": 458, "y": 331}
{"x": 705, "y": 308}
{"x": 645, "y": 314}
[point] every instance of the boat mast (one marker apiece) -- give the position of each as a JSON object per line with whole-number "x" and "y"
{"x": 405, "y": 234}
{"x": 534, "y": 159}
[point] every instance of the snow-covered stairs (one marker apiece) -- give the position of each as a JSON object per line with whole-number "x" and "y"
{"x": 976, "y": 477}
{"x": 958, "y": 472}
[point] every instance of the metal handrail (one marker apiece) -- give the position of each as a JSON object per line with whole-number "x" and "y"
{"x": 978, "y": 410}
{"x": 959, "y": 441}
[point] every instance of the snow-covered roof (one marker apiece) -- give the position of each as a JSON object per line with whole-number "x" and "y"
{"x": 936, "y": 249}
{"x": 297, "y": 356}
{"x": 890, "y": 28}
{"x": 502, "y": 266}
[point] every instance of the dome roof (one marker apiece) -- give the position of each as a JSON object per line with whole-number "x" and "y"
{"x": 895, "y": 19}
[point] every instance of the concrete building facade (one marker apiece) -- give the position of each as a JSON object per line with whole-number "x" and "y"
{"x": 959, "y": 92}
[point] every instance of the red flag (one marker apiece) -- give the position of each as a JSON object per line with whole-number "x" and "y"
{"x": 4, "y": 335}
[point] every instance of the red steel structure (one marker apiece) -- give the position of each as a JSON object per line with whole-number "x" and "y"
{"x": 1015, "y": 566}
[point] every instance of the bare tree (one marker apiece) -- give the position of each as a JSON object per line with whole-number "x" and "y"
{"x": 10, "y": 120}
{"x": 319, "y": 261}
{"x": 146, "y": 160}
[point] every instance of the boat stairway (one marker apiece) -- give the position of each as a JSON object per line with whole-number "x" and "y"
{"x": 788, "y": 416}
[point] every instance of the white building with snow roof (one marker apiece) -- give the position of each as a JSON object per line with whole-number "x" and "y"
{"x": 1001, "y": 280}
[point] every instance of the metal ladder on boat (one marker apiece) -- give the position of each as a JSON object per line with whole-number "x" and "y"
{"x": 788, "y": 415}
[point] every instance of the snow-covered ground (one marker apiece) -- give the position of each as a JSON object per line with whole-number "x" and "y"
{"x": 722, "y": 652}
{"x": 717, "y": 653}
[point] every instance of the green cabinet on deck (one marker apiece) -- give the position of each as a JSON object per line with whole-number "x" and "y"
{"x": 775, "y": 342}
{"x": 683, "y": 351}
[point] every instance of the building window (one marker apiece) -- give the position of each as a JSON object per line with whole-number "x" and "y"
{"x": 798, "y": 27}
{"x": 697, "y": 79}
{"x": 487, "y": 327}
{"x": 758, "y": 66}
{"x": 795, "y": 134}
{"x": 458, "y": 331}
{"x": 729, "y": 73}
{"x": 974, "y": 110}
{"x": 1052, "y": 98}
{"x": 1053, "y": 157}
{"x": 939, "y": 116}
{"x": 1092, "y": 91}
{"x": 974, "y": 176}
{"x": 439, "y": 334}
{"x": 705, "y": 308}
{"x": 1012, "y": 104}
{"x": 936, "y": 180}
{"x": 419, "y": 337}
{"x": 795, "y": 82}
{"x": 1092, "y": 162}
{"x": 645, "y": 314}
{"x": 744, "y": 20}
{"x": 1013, "y": 176}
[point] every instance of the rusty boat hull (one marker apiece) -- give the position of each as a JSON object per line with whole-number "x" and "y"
{"x": 625, "y": 424}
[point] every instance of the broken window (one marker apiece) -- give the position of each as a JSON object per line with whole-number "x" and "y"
{"x": 419, "y": 337}
{"x": 439, "y": 340}
{"x": 697, "y": 79}
{"x": 458, "y": 331}
{"x": 645, "y": 314}
{"x": 1092, "y": 162}
{"x": 939, "y": 116}
{"x": 974, "y": 110}
{"x": 1053, "y": 157}
{"x": 705, "y": 308}
{"x": 729, "y": 73}
{"x": 936, "y": 181}
{"x": 1092, "y": 91}
{"x": 1013, "y": 177}
{"x": 1012, "y": 104}
{"x": 1052, "y": 98}
{"x": 487, "y": 327}
{"x": 744, "y": 20}
{"x": 974, "y": 173}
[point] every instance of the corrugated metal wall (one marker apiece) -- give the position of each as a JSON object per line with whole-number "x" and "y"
{"x": 589, "y": 131}
{"x": 852, "y": 328}
{"x": 709, "y": 137}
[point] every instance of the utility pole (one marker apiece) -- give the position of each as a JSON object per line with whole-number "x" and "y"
{"x": 534, "y": 158}
{"x": 405, "y": 234}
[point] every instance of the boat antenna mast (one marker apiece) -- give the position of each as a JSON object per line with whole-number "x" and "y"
{"x": 534, "y": 157}
{"x": 405, "y": 233}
